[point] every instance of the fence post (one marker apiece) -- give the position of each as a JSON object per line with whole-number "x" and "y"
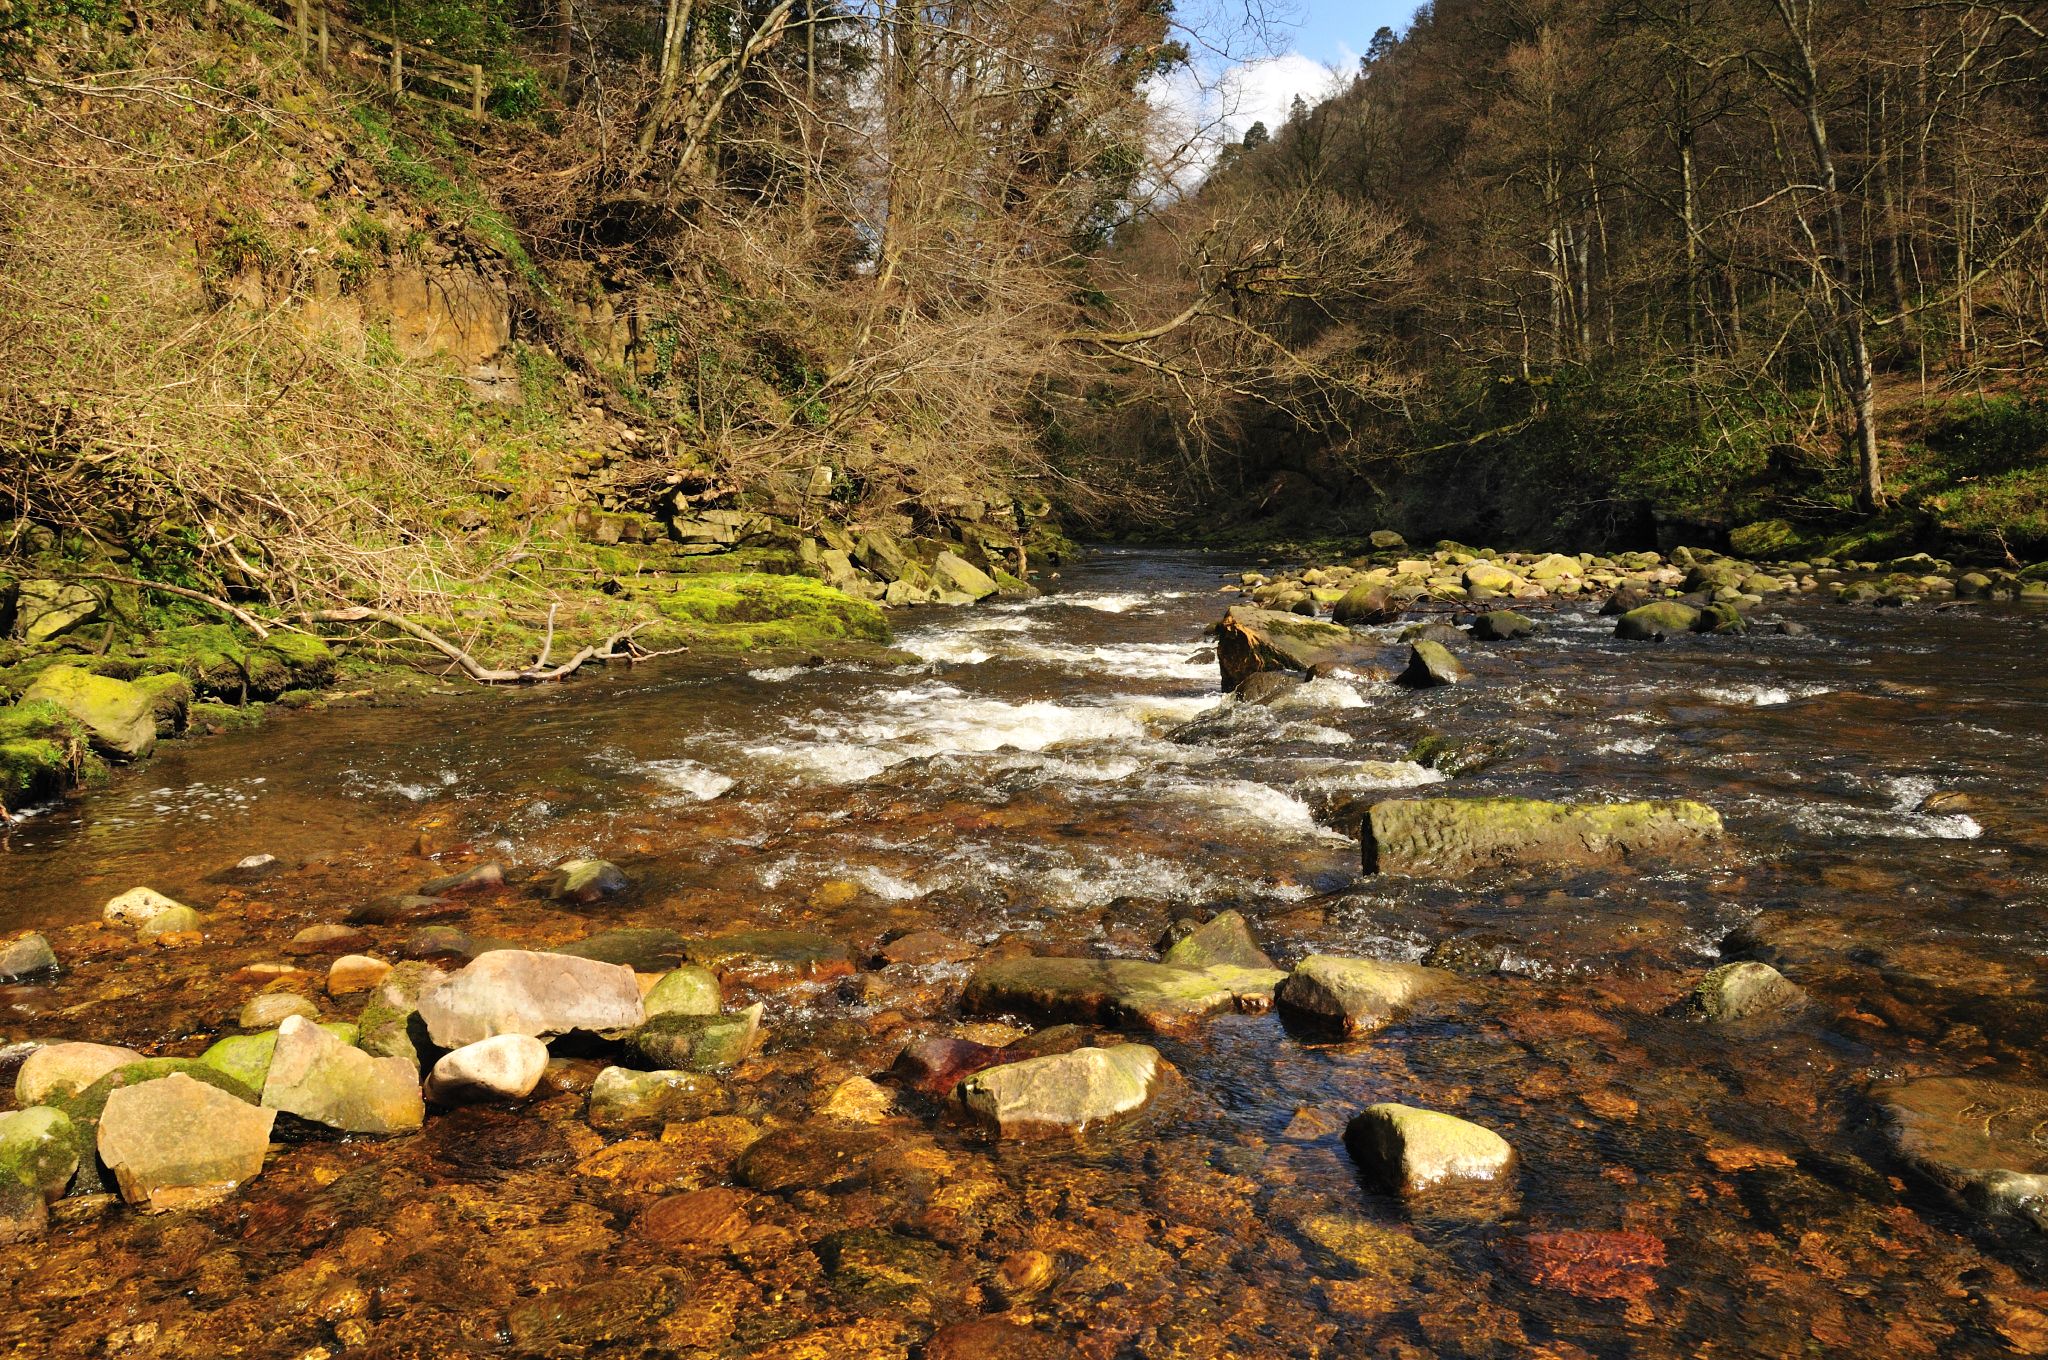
{"x": 299, "y": 25}
{"x": 397, "y": 68}
{"x": 326, "y": 66}
{"x": 476, "y": 92}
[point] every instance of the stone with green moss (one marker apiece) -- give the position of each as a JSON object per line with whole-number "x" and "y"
{"x": 1768, "y": 538}
{"x": 622, "y": 1099}
{"x": 698, "y": 1043}
{"x": 170, "y": 700}
{"x": 48, "y": 609}
{"x": 390, "y": 1025}
{"x": 688, "y": 990}
{"x": 744, "y": 611}
{"x": 118, "y": 717}
{"x": 1156, "y": 997}
{"x": 40, "y": 1148}
{"x": 1658, "y": 621}
{"x": 1452, "y": 836}
{"x": 246, "y": 1057}
{"x": 85, "y": 1108}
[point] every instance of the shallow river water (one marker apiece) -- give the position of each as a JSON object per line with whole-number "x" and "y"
{"x": 1063, "y": 771}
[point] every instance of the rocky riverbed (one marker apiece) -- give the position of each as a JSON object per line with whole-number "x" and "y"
{"x": 1455, "y": 987}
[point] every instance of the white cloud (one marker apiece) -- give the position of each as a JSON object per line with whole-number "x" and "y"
{"x": 1198, "y": 111}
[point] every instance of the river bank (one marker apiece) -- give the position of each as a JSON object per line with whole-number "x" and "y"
{"x": 1060, "y": 778}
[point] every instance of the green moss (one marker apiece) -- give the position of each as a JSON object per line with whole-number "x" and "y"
{"x": 750, "y": 610}
{"x": 42, "y": 753}
{"x": 170, "y": 699}
{"x": 212, "y": 717}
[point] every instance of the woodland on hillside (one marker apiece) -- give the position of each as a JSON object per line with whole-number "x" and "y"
{"x": 1629, "y": 256}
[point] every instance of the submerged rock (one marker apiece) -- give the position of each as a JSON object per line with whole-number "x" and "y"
{"x": 587, "y": 880}
{"x": 119, "y": 717}
{"x": 926, "y": 946}
{"x": 773, "y": 958}
{"x": 824, "y": 1157}
{"x": 1450, "y": 836}
{"x": 1976, "y": 1138}
{"x": 39, "y": 1148}
{"x": 1408, "y": 1150}
{"x": 317, "y": 1077}
{"x": 1151, "y": 996}
{"x": 170, "y": 921}
{"x": 268, "y": 1010}
{"x": 698, "y": 1043}
{"x": 1744, "y": 991}
{"x": 1431, "y": 664}
{"x": 1063, "y": 1093}
{"x": 505, "y": 1067}
{"x": 25, "y": 956}
{"x": 517, "y": 991}
{"x": 644, "y": 949}
{"x": 477, "y": 878}
{"x": 176, "y": 1134}
{"x": 1351, "y": 996}
{"x": 57, "y": 1070}
{"x": 623, "y": 1099}
{"x": 935, "y": 1066}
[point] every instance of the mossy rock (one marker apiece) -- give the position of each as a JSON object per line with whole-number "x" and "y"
{"x": 170, "y": 700}
{"x": 212, "y": 717}
{"x": 744, "y": 611}
{"x": 115, "y": 714}
{"x": 1769, "y": 538}
{"x": 43, "y": 752}
{"x": 86, "y": 1107}
{"x": 222, "y": 663}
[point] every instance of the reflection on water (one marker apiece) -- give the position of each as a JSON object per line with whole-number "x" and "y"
{"x": 1060, "y": 770}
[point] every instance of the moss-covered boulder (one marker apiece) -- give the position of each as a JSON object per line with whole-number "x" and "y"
{"x": 1156, "y": 997}
{"x": 1767, "y": 538}
{"x": 49, "y": 609}
{"x": 320, "y": 1079}
{"x": 698, "y": 1043}
{"x": 221, "y": 663}
{"x": 1502, "y": 625}
{"x": 1408, "y": 1150}
{"x": 119, "y": 718}
{"x": 43, "y": 752}
{"x": 688, "y": 990}
{"x": 40, "y": 1148}
{"x": 1430, "y": 665}
{"x": 170, "y": 701}
{"x": 1747, "y": 991}
{"x": 1658, "y": 621}
{"x": 1452, "y": 836}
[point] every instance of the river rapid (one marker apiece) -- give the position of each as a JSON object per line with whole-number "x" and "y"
{"x": 1063, "y": 772}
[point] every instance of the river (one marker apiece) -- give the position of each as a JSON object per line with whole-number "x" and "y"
{"x": 1063, "y": 772}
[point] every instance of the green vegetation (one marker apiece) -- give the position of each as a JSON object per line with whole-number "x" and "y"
{"x": 748, "y": 611}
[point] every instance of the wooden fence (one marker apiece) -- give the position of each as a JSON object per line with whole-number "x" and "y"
{"x": 404, "y": 67}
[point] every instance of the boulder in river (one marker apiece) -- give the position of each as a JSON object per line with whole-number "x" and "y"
{"x": 935, "y": 1066}
{"x": 118, "y": 717}
{"x": 1502, "y": 625}
{"x": 688, "y": 990}
{"x": 246, "y": 1057}
{"x": 1351, "y": 996}
{"x": 39, "y": 1148}
{"x": 504, "y": 1067}
{"x": 1745, "y": 991}
{"x": 175, "y": 1134}
{"x": 1366, "y": 603}
{"x": 1267, "y": 688}
{"x": 136, "y": 908}
{"x": 25, "y": 956}
{"x": 317, "y": 1077}
{"x": 390, "y": 1025}
{"x": 1251, "y": 640}
{"x": 955, "y": 573}
{"x": 1430, "y": 664}
{"x": 477, "y": 878}
{"x": 698, "y": 1043}
{"x": 1223, "y": 939}
{"x": 57, "y": 1070}
{"x": 1065, "y": 1092}
{"x": 1658, "y": 621}
{"x": 1408, "y": 1150}
{"x": 587, "y": 881}
{"x": 1484, "y": 579}
{"x": 622, "y": 1099}
{"x": 518, "y": 991}
{"x": 1977, "y": 1138}
{"x": 1451, "y": 836}
{"x": 1149, "y": 996}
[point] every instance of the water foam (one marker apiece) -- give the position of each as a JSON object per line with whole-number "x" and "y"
{"x": 700, "y": 782}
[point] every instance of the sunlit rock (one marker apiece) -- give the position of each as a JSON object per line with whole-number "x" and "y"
{"x": 587, "y": 880}
{"x": 175, "y": 1133}
{"x": 504, "y": 1067}
{"x": 1351, "y": 996}
{"x": 317, "y": 1077}
{"x": 1744, "y": 991}
{"x": 1450, "y": 836}
{"x": 1408, "y": 1150}
{"x": 1976, "y": 1138}
{"x": 25, "y": 956}
{"x": 56, "y": 1070}
{"x": 1063, "y": 1093}
{"x": 39, "y": 1148}
{"x": 136, "y": 908}
{"x": 517, "y": 991}
{"x": 622, "y": 1099}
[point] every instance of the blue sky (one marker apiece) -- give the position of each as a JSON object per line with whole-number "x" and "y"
{"x": 1312, "y": 47}
{"x": 1330, "y": 30}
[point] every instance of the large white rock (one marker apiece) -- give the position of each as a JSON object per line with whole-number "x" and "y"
{"x": 505, "y": 1067}
{"x": 517, "y": 991}
{"x": 137, "y": 907}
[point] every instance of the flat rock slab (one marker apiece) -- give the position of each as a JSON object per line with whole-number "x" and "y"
{"x": 174, "y": 1134}
{"x": 1986, "y": 1142}
{"x": 773, "y": 958}
{"x": 317, "y": 1077}
{"x": 1352, "y": 996}
{"x": 1409, "y": 1150}
{"x": 516, "y": 991}
{"x": 1063, "y": 1093}
{"x": 1155, "y": 997}
{"x": 1446, "y": 837}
